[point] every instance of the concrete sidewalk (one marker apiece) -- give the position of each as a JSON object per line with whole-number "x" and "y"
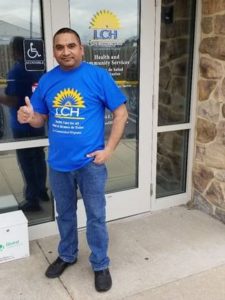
{"x": 172, "y": 254}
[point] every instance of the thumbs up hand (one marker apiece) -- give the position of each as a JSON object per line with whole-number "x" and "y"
{"x": 26, "y": 112}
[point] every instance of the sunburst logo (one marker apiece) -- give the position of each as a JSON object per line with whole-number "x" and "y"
{"x": 105, "y": 25}
{"x": 69, "y": 98}
{"x": 68, "y": 103}
{"x": 105, "y": 19}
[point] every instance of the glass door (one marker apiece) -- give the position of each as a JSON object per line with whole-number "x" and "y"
{"x": 173, "y": 87}
{"x": 114, "y": 38}
{"x": 23, "y": 149}
{"x": 111, "y": 40}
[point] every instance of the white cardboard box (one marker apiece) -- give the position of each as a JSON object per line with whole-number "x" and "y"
{"x": 14, "y": 241}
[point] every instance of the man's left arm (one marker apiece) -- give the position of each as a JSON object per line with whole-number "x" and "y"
{"x": 120, "y": 116}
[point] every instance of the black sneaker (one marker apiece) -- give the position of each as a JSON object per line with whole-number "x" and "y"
{"x": 57, "y": 268}
{"x": 103, "y": 280}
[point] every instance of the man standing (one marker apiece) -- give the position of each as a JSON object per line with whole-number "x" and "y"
{"x": 73, "y": 97}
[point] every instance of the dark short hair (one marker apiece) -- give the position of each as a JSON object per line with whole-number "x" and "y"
{"x": 67, "y": 30}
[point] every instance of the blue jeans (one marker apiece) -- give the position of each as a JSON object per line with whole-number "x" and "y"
{"x": 91, "y": 180}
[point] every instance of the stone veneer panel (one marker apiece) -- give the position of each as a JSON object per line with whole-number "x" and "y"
{"x": 206, "y": 131}
{"x": 207, "y": 25}
{"x": 210, "y": 68}
{"x": 209, "y": 162}
{"x": 211, "y": 7}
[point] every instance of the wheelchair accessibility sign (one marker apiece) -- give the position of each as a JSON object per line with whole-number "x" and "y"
{"x": 34, "y": 57}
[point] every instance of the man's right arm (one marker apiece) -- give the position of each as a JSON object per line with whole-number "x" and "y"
{"x": 26, "y": 114}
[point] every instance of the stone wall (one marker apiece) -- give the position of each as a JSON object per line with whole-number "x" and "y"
{"x": 209, "y": 163}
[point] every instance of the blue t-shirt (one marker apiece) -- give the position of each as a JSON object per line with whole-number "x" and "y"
{"x": 75, "y": 101}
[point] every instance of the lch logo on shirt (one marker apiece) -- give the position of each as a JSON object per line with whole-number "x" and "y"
{"x": 105, "y": 25}
{"x": 68, "y": 103}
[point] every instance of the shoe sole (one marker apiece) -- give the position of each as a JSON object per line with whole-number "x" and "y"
{"x": 103, "y": 290}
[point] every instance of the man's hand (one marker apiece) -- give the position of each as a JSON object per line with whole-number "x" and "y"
{"x": 100, "y": 156}
{"x": 119, "y": 120}
{"x": 26, "y": 112}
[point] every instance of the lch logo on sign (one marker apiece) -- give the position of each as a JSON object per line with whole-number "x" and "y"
{"x": 34, "y": 57}
{"x": 105, "y": 25}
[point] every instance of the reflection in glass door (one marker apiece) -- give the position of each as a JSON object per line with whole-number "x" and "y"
{"x": 110, "y": 35}
{"x": 23, "y": 169}
{"x": 174, "y": 96}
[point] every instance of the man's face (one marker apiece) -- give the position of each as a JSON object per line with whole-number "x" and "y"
{"x": 67, "y": 51}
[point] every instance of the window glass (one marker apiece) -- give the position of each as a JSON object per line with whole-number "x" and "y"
{"x": 22, "y": 64}
{"x": 171, "y": 163}
{"x": 176, "y": 47}
{"x": 176, "y": 59}
{"x": 110, "y": 34}
{"x": 23, "y": 172}
{"x": 20, "y": 184}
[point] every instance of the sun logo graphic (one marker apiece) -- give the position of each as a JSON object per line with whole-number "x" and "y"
{"x": 105, "y": 25}
{"x": 68, "y": 103}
